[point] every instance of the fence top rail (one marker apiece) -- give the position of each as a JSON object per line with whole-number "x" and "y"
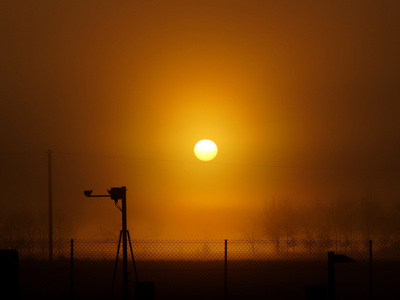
{"x": 344, "y": 241}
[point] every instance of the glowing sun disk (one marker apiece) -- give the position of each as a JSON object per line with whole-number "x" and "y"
{"x": 205, "y": 150}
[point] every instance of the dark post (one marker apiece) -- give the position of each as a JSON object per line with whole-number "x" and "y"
{"x": 124, "y": 244}
{"x": 72, "y": 270}
{"x": 226, "y": 271}
{"x": 50, "y": 192}
{"x": 332, "y": 259}
{"x": 370, "y": 269}
{"x": 331, "y": 275}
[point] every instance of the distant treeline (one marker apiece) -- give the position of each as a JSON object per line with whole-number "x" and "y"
{"x": 343, "y": 218}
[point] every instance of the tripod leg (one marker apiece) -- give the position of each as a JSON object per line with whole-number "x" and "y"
{"x": 115, "y": 265}
{"x": 133, "y": 259}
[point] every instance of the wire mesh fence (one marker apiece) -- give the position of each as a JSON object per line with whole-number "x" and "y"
{"x": 207, "y": 269}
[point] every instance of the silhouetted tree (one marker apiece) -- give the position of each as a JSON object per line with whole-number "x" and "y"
{"x": 272, "y": 221}
{"x": 252, "y": 233}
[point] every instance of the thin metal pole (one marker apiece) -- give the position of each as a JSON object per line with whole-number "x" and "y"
{"x": 72, "y": 270}
{"x": 370, "y": 269}
{"x": 124, "y": 246}
{"x": 50, "y": 191}
{"x": 226, "y": 271}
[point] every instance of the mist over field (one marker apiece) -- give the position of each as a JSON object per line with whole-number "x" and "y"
{"x": 185, "y": 200}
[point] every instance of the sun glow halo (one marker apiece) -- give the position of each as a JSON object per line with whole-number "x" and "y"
{"x": 205, "y": 150}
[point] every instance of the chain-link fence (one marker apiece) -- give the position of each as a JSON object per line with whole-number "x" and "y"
{"x": 207, "y": 269}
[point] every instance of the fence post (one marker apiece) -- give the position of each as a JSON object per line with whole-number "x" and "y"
{"x": 370, "y": 269}
{"x": 71, "y": 291}
{"x": 226, "y": 271}
{"x": 331, "y": 275}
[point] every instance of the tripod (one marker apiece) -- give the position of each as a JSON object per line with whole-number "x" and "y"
{"x": 119, "y": 193}
{"x": 116, "y": 261}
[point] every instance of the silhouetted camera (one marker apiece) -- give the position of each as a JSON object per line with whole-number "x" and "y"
{"x": 117, "y": 193}
{"x": 88, "y": 193}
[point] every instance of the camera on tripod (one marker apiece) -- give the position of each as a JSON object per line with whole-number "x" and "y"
{"x": 119, "y": 193}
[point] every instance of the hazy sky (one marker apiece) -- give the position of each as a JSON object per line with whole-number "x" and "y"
{"x": 122, "y": 90}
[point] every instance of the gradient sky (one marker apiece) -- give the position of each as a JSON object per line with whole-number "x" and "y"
{"x": 121, "y": 92}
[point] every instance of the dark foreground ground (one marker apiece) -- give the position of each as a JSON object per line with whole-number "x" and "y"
{"x": 279, "y": 279}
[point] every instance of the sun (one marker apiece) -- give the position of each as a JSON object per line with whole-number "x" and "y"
{"x": 205, "y": 150}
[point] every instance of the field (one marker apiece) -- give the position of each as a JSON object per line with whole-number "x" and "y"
{"x": 246, "y": 279}
{"x": 83, "y": 269}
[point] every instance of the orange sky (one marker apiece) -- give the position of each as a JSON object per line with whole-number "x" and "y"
{"x": 282, "y": 83}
